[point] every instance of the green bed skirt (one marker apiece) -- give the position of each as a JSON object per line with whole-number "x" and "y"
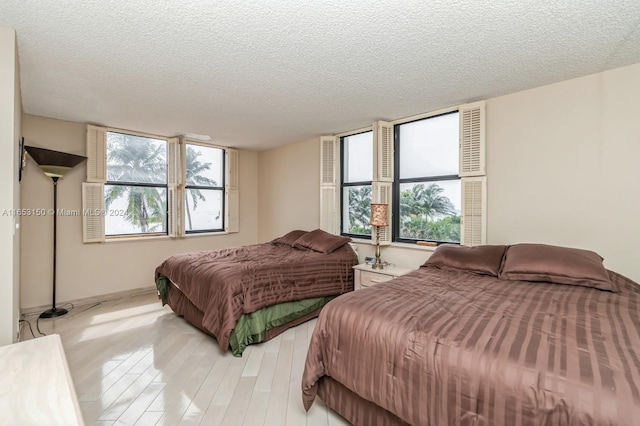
{"x": 252, "y": 328}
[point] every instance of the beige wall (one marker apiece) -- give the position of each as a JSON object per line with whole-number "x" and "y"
{"x": 10, "y": 132}
{"x": 289, "y": 189}
{"x": 561, "y": 165}
{"x": 86, "y": 270}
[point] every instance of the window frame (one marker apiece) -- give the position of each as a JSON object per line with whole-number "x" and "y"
{"x": 397, "y": 181}
{"x": 221, "y": 188}
{"x": 93, "y": 188}
{"x": 344, "y": 184}
{"x": 107, "y": 182}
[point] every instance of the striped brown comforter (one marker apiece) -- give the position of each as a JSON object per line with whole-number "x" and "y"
{"x": 226, "y": 283}
{"x": 437, "y": 347}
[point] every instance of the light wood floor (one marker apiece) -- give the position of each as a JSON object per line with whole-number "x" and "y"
{"x": 134, "y": 362}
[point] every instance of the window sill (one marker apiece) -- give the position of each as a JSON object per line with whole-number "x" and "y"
{"x": 140, "y": 238}
{"x": 205, "y": 234}
{"x": 161, "y": 237}
{"x": 360, "y": 241}
{"x": 413, "y": 246}
{"x": 397, "y": 245}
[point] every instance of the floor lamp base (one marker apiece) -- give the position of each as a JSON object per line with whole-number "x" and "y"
{"x": 52, "y": 313}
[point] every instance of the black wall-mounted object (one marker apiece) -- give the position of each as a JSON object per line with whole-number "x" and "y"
{"x": 21, "y": 158}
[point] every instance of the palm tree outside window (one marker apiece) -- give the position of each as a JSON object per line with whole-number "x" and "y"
{"x": 136, "y": 186}
{"x": 427, "y": 188}
{"x": 204, "y": 189}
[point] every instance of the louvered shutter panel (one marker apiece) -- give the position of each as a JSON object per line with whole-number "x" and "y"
{"x": 233, "y": 209}
{"x": 232, "y": 202}
{"x": 381, "y": 193}
{"x": 175, "y": 182}
{"x": 179, "y": 211}
{"x": 472, "y": 139}
{"x": 328, "y": 161}
{"x": 92, "y": 212}
{"x": 383, "y": 151}
{"x": 171, "y": 212}
{"x": 474, "y": 211}
{"x": 175, "y": 207}
{"x": 96, "y": 154}
{"x": 328, "y": 214}
{"x": 174, "y": 169}
{"x": 232, "y": 159}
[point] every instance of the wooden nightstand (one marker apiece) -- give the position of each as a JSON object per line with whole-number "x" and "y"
{"x": 366, "y": 277}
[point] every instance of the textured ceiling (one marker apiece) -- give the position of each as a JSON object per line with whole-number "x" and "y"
{"x": 258, "y": 74}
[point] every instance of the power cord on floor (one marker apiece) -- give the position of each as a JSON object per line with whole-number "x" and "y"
{"x": 68, "y": 306}
{"x": 29, "y": 324}
{"x": 61, "y": 306}
{"x": 38, "y": 327}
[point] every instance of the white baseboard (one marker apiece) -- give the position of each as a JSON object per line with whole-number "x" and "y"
{"x": 92, "y": 299}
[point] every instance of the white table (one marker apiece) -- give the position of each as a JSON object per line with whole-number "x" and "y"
{"x": 36, "y": 386}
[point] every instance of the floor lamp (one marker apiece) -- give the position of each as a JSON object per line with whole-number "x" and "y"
{"x": 379, "y": 218}
{"x": 54, "y": 164}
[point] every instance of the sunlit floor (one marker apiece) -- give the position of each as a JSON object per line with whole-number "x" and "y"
{"x": 134, "y": 362}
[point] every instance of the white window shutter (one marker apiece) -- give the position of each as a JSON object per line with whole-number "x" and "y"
{"x": 96, "y": 154}
{"x": 381, "y": 193}
{"x": 328, "y": 178}
{"x": 382, "y": 151}
{"x": 328, "y": 153}
{"x": 232, "y": 168}
{"x": 233, "y": 211}
{"x": 175, "y": 183}
{"x": 92, "y": 212}
{"x": 175, "y": 207}
{"x": 174, "y": 169}
{"x": 473, "y": 229}
{"x": 472, "y": 139}
{"x": 232, "y": 201}
{"x": 328, "y": 214}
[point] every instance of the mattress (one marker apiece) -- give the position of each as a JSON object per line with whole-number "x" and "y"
{"x": 445, "y": 347}
{"x": 225, "y": 284}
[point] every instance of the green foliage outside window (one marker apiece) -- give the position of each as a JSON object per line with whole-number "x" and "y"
{"x": 425, "y": 214}
{"x": 359, "y": 210}
{"x": 140, "y": 160}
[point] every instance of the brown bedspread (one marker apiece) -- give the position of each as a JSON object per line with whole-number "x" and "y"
{"x": 226, "y": 283}
{"x": 438, "y": 347}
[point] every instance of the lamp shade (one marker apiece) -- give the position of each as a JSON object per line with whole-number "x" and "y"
{"x": 54, "y": 164}
{"x": 379, "y": 214}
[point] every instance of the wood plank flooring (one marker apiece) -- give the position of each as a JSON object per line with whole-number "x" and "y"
{"x": 134, "y": 362}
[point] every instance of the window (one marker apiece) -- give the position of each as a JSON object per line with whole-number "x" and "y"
{"x": 356, "y": 178}
{"x": 135, "y": 192}
{"x": 142, "y": 185}
{"x": 427, "y": 187}
{"x": 430, "y": 169}
{"x": 204, "y": 189}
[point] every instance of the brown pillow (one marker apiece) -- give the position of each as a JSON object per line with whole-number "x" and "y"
{"x": 289, "y": 238}
{"x": 482, "y": 260}
{"x": 321, "y": 241}
{"x": 562, "y": 265}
